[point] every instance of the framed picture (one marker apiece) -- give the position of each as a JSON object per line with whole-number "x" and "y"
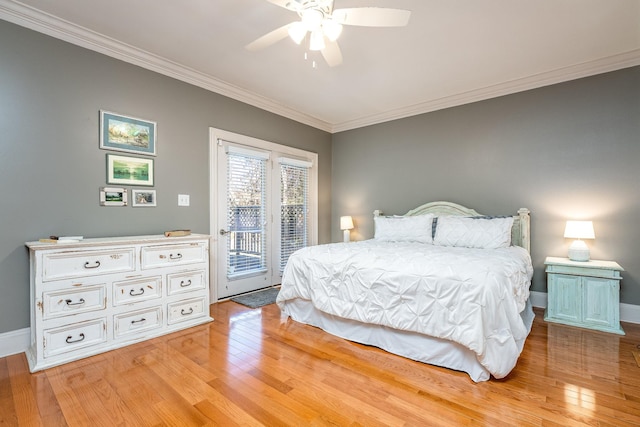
{"x": 125, "y": 170}
{"x": 113, "y": 196}
{"x": 143, "y": 198}
{"x": 122, "y": 133}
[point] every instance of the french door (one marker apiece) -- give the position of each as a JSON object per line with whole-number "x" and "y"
{"x": 263, "y": 209}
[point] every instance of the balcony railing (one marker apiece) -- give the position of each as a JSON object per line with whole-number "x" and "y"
{"x": 246, "y": 236}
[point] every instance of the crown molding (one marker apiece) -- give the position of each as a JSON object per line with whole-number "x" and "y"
{"x": 26, "y": 16}
{"x": 586, "y": 69}
{"x": 34, "y": 19}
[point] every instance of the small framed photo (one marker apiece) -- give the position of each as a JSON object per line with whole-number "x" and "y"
{"x": 129, "y": 134}
{"x": 143, "y": 198}
{"x": 113, "y": 196}
{"x": 125, "y": 170}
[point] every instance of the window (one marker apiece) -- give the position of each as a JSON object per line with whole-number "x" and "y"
{"x": 246, "y": 216}
{"x": 294, "y": 209}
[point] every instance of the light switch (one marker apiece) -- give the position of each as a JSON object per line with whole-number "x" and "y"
{"x": 183, "y": 200}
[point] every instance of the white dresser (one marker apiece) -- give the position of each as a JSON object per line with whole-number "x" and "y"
{"x": 92, "y": 296}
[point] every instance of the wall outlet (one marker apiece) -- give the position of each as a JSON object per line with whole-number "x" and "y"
{"x": 183, "y": 200}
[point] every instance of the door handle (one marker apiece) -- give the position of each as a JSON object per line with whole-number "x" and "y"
{"x": 224, "y": 232}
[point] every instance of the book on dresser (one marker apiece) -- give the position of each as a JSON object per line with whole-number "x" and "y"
{"x": 95, "y": 295}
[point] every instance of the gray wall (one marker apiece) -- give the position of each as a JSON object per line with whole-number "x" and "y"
{"x": 51, "y": 167}
{"x": 564, "y": 151}
{"x": 568, "y": 151}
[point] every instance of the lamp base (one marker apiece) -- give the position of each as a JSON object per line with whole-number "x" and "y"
{"x": 579, "y": 251}
{"x": 347, "y": 236}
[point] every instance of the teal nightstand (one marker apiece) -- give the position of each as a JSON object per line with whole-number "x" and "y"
{"x": 584, "y": 294}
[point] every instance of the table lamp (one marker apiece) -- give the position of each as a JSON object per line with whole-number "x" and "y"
{"x": 346, "y": 224}
{"x": 579, "y": 251}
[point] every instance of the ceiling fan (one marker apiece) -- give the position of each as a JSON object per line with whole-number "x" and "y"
{"x": 321, "y": 24}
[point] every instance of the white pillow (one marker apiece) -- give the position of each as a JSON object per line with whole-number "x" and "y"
{"x": 404, "y": 228}
{"x": 482, "y": 233}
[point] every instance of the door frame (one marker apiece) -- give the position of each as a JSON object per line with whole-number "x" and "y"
{"x": 214, "y": 225}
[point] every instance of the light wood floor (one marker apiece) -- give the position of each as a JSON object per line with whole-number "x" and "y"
{"x": 249, "y": 367}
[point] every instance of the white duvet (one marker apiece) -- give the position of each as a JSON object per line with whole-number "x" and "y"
{"x": 470, "y": 296}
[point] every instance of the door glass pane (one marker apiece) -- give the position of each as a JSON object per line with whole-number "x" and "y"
{"x": 246, "y": 217}
{"x": 293, "y": 210}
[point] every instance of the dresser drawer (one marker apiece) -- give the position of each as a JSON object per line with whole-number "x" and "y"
{"x": 185, "y": 310}
{"x": 169, "y": 255}
{"x": 132, "y": 323}
{"x": 185, "y": 282}
{"x": 64, "y": 265}
{"x": 132, "y": 291}
{"x": 73, "y": 337}
{"x": 73, "y": 301}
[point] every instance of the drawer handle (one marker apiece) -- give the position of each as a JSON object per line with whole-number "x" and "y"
{"x": 80, "y": 302}
{"x": 96, "y": 264}
{"x": 184, "y": 284}
{"x": 69, "y": 339}
{"x": 133, "y": 294}
{"x": 133, "y": 322}
{"x": 186, "y": 313}
{"x": 176, "y": 256}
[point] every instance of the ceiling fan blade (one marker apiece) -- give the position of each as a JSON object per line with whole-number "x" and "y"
{"x": 269, "y": 38}
{"x": 332, "y": 54}
{"x": 372, "y": 16}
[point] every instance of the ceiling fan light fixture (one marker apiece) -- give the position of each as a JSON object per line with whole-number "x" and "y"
{"x": 331, "y": 29}
{"x": 297, "y": 32}
{"x": 320, "y": 25}
{"x": 312, "y": 19}
{"x": 316, "y": 41}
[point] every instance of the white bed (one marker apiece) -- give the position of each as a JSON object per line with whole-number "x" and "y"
{"x": 423, "y": 293}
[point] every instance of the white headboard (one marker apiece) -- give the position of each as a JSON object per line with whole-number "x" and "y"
{"x": 520, "y": 232}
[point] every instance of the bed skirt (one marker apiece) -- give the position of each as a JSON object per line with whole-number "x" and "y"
{"x": 422, "y": 348}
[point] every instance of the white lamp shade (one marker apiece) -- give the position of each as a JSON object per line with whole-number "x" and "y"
{"x": 579, "y": 230}
{"x": 331, "y": 29}
{"x": 297, "y": 32}
{"x": 316, "y": 41}
{"x": 312, "y": 19}
{"x": 346, "y": 223}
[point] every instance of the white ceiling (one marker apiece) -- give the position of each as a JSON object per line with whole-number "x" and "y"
{"x": 452, "y": 52}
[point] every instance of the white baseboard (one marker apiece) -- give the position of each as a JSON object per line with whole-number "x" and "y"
{"x": 14, "y": 342}
{"x": 538, "y": 299}
{"x": 628, "y": 312}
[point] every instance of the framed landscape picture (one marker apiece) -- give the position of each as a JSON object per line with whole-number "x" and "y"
{"x": 113, "y": 196}
{"x": 130, "y": 134}
{"x": 125, "y": 170}
{"x": 143, "y": 198}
